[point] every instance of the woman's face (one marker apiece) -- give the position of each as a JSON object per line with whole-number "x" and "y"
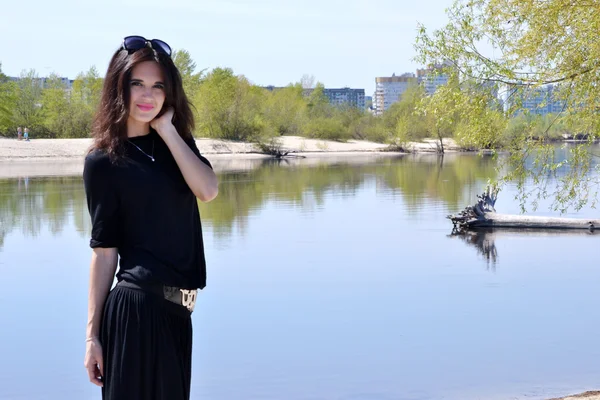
{"x": 147, "y": 92}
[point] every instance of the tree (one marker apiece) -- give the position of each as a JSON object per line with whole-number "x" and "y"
{"x": 284, "y": 110}
{"x": 87, "y": 88}
{"x": 307, "y": 81}
{"x": 229, "y": 107}
{"x": 27, "y": 110}
{"x": 404, "y": 120}
{"x": 55, "y": 106}
{"x": 83, "y": 103}
{"x": 8, "y": 99}
{"x": 454, "y": 104}
{"x": 187, "y": 68}
{"x": 523, "y": 45}
{"x": 318, "y": 103}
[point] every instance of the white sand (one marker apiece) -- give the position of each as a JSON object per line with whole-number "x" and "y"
{"x": 595, "y": 395}
{"x": 38, "y": 149}
{"x": 40, "y": 157}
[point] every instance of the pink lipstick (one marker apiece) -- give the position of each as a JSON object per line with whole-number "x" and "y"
{"x": 145, "y": 107}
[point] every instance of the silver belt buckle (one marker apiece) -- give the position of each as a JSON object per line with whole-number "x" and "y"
{"x": 188, "y": 298}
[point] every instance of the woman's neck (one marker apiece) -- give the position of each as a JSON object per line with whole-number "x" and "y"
{"x": 137, "y": 128}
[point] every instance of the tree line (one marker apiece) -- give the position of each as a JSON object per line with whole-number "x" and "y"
{"x": 229, "y": 106}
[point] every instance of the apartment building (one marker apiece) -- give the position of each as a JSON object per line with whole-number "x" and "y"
{"x": 389, "y": 90}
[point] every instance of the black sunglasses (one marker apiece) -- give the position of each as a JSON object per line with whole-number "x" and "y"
{"x": 135, "y": 43}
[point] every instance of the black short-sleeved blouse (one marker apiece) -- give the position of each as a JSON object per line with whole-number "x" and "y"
{"x": 147, "y": 211}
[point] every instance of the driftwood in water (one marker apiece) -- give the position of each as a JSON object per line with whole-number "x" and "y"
{"x": 274, "y": 148}
{"x": 484, "y": 215}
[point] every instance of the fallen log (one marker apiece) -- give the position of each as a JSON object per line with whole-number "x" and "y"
{"x": 483, "y": 215}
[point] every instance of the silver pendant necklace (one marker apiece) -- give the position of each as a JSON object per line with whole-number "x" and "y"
{"x": 146, "y": 154}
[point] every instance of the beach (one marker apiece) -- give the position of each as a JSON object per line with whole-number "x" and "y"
{"x": 595, "y": 395}
{"x": 44, "y": 149}
{"x": 40, "y": 157}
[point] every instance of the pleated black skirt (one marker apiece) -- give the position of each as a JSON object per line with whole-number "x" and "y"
{"x": 147, "y": 347}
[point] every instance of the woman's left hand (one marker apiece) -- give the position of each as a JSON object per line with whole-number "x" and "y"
{"x": 164, "y": 123}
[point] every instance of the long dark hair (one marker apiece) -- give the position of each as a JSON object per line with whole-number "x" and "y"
{"x": 109, "y": 128}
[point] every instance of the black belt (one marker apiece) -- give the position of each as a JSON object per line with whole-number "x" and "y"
{"x": 182, "y": 297}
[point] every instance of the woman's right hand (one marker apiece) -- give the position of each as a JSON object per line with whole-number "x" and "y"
{"x": 93, "y": 361}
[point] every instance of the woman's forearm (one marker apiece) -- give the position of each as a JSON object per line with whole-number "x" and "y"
{"x": 200, "y": 178}
{"x": 102, "y": 272}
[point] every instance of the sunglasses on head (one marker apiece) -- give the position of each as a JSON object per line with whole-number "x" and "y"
{"x": 135, "y": 43}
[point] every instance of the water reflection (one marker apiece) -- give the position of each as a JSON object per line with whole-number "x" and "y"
{"x": 450, "y": 178}
{"x": 344, "y": 282}
{"x": 32, "y": 203}
{"x": 29, "y": 203}
{"x": 484, "y": 239}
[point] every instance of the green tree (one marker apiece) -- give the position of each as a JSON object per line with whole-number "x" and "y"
{"x": 285, "y": 110}
{"x": 8, "y": 98}
{"x": 187, "y": 68}
{"x": 441, "y": 113}
{"x": 324, "y": 120}
{"x": 524, "y": 45}
{"x": 318, "y": 104}
{"x": 229, "y": 107}
{"x": 55, "y": 106}
{"x": 27, "y": 110}
{"x": 369, "y": 127}
{"x": 404, "y": 121}
{"x": 83, "y": 103}
{"x": 87, "y": 88}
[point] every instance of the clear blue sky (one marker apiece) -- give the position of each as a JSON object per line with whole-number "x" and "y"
{"x": 271, "y": 42}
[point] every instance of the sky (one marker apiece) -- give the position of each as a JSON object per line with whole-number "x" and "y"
{"x": 271, "y": 42}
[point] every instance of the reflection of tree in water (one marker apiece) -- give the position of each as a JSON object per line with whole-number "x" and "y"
{"x": 452, "y": 178}
{"x": 242, "y": 193}
{"x": 29, "y": 204}
{"x": 484, "y": 241}
{"x": 293, "y": 182}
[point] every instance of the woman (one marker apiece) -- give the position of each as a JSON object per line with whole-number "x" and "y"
{"x": 142, "y": 179}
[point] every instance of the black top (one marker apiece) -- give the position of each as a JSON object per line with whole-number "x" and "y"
{"x": 147, "y": 211}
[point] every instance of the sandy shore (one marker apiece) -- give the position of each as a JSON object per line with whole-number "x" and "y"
{"x": 45, "y": 149}
{"x": 63, "y": 157}
{"x": 595, "y": 395}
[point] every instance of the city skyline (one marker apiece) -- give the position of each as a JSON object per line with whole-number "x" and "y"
{"x": 342, "y": 44}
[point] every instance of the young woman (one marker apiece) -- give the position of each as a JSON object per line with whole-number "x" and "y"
{"x": 142, "y": 179}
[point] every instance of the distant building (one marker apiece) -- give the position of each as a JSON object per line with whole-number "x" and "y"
{"x": 369, "y": 102}
{"x": 44, "y": 81}
{"x": 542, "y": 101}
{"x": 389, "y": 90}
{"x": 351, "y": 97}
{"x": 272, "y": 88}
{"x": 337, "y": 97}
{"x": 431, "y": 78}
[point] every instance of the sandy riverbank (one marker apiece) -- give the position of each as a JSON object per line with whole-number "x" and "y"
{"x": 595, "y": 395}
{"x": 53, "y": 149}
{"x": 64, "y": 157}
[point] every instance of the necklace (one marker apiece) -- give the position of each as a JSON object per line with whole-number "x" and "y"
{"x": 146, "y": 154}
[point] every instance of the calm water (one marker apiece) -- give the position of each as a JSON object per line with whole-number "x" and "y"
{"x": 327, "y": 280}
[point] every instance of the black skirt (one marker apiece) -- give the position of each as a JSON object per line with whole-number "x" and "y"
{"x": 147, "y": 347}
